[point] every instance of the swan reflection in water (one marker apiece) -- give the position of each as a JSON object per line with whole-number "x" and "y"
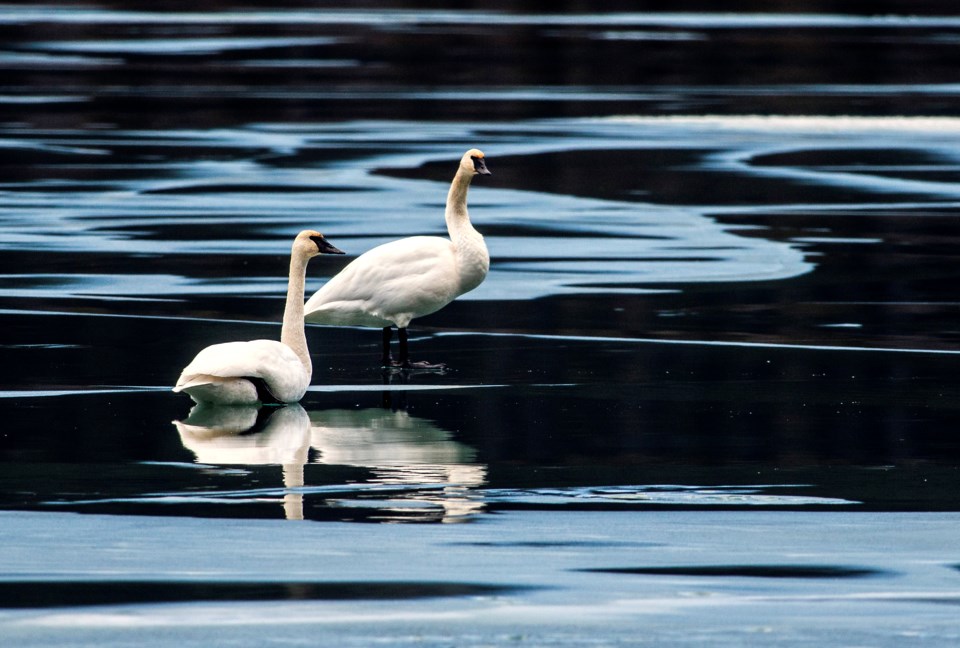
{"x": 251, "y": 435}
{"x": 417, "y": 471}
{"x": 432, "y": 475}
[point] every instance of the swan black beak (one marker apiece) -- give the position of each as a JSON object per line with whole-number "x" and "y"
{"x": 480, "y": 166}
{"x": 324, "y": 246}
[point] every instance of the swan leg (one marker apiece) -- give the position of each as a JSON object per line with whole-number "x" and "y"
{"x": 403, "y": 361}
{"x": 385, "y": 359}
{"x": 404, "y": 350}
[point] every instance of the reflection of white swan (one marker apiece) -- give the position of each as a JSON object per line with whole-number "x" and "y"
{"x": 232, "y": 434}
{"x": 425, "y": 474}
{"x": 262, "y": 370}
{"x": 398, "y": 281}
{"x": 404, "y": 451}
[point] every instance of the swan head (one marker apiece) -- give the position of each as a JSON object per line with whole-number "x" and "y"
{"x": 310, "y": 243}
{"x": 474, "y": 163}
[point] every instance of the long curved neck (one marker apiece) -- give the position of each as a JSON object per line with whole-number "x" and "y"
{"x": 458, "y": 220}
{"x": 292, "y": 334}
{"x": 473, "y": 260}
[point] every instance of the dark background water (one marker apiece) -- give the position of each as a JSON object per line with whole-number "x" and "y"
{"x": 683, "y": 297}
{"x": 706, "y": 395}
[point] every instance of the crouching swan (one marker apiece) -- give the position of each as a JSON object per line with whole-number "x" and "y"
{"x": 398, "y": 281}
{"x": 264, "y": 371}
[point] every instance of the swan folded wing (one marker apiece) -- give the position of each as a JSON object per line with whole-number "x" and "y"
{"x": 392, "y": 283}
{"x": 275, "y": 363}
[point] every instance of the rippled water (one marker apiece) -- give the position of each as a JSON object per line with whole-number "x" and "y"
{"x": 706, "y": 394}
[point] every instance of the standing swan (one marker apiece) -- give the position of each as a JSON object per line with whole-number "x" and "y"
{"x": 261, "y": 371}
{"x": 395, "y": 282}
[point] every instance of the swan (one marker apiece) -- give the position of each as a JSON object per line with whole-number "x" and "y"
{"x": 261, "y": 371}
{"x": 398, "y": 281}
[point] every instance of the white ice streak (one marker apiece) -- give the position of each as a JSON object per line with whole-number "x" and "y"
{"x": 393, "y": 19}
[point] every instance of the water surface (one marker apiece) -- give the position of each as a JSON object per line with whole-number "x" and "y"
{"x": 710, "y": 377}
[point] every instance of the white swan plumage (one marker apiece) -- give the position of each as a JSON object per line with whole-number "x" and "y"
{"x": 396, "y": 282}
{"x": 258, "y": 371}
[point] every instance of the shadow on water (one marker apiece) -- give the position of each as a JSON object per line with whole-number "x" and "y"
{"x": 750, "y": 571}
{"x": 51, "y": 594}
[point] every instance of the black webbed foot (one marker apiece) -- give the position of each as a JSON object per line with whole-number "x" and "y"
{"x": 414, "y": 367}
{"x": 404, "y": 363}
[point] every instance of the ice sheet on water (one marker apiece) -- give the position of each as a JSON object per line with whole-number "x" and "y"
{"x": 607, "y": 245}
{"x": 711, "y": 579}
{"x": 395, "y": 18}
{"x": 666, "y": 494}
{"x": 542, "y": 243}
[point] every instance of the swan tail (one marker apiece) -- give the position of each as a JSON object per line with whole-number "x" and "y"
{"x": 217, "y": 389}
{"x": 187, "y": 382}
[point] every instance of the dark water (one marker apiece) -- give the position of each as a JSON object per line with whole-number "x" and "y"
{"x": 723, "y": 283}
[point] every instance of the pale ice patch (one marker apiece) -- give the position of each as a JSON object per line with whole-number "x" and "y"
{"x": 541, "y": 243}
{"x": 176, "y": 46}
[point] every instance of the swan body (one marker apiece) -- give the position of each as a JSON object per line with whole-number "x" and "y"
{"x": 392, "y": 284}
{"x": 228, "y": 373}
{"x": 396, "y": 282}
{"x": 257, "y": 371}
